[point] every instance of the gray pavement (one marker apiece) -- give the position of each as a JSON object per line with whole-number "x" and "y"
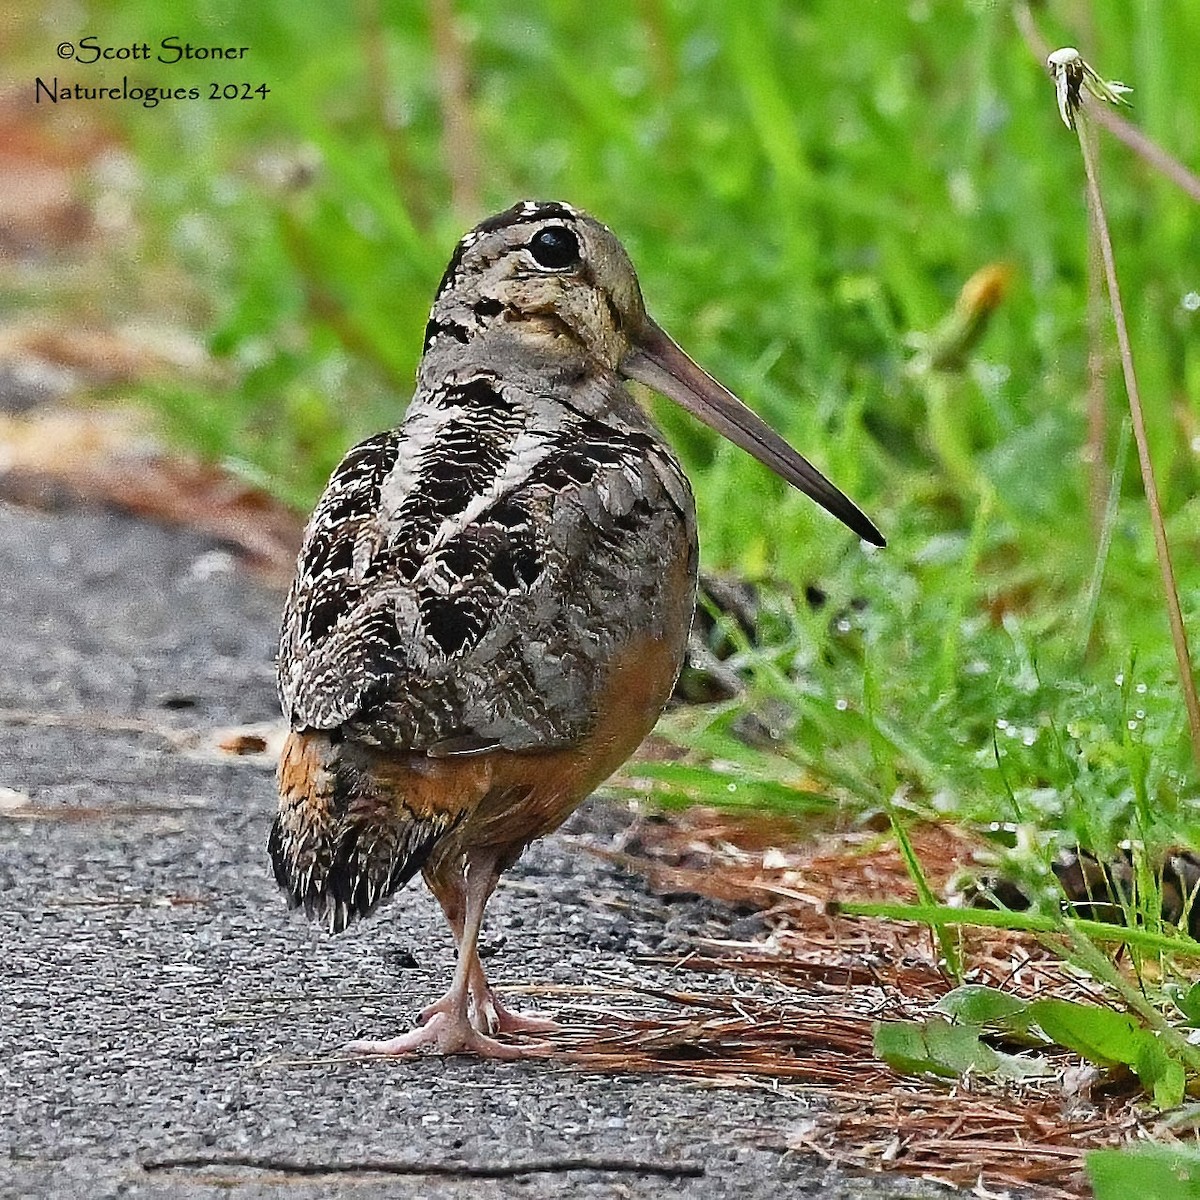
{"x": 157, "y": 1000}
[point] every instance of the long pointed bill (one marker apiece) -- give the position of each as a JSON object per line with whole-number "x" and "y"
{"x": 660, "y": 364}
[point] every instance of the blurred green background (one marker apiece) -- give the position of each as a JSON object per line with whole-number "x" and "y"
{"x": 806, "y": 188}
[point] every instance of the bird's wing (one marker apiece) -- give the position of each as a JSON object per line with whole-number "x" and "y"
{"x": 464, "y": 579}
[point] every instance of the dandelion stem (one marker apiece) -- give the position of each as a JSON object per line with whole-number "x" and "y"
{"x": 1174, "y": 612}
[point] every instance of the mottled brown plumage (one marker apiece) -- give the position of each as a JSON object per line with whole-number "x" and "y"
{"x": 492, "y": 601}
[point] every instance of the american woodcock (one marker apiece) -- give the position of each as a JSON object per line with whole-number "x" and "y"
{"x": 492, "y": 601}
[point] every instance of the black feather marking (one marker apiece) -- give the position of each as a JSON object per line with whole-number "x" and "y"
{"x": 463, "y": 557}
{"x": 504, "y": 570}
{"x": 355, "y": 885}
{"x": 461, "y": 466}
{"x": 450, "y": 623}
{"x": 323, "y": 614}
{"x": 275, "y": 848}
{"x": 325, "y": 588}
{"x": 566, "y": 468}
{"x": 509, "y": 515}
{"x": 312, "y": 562}
{"x": 470, "y": 452}
{"x": 516, "y": 568}
{"x": 352, "y": 493}
{"x": 586, "y": 450}
{"x": 450, "y": 489}
{"x": 527, "y": 565}
{"x": 482, "y": 393}
{"x": 380, "y": 652}
{"x": 370, "y": 461}
{"x": 434, "y": 328}
{"x": 328, "y": 554}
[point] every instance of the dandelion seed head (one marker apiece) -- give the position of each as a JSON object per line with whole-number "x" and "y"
{"x": 1072, "y": 75}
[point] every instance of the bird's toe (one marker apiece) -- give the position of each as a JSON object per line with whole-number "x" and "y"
{"x": 428, "y": 1033}
{"x": 445, "y": 1033}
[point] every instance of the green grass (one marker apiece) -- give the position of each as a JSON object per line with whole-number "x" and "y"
{"x": 804, "y": 189}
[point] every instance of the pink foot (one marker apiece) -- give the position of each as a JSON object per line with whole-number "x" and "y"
{"x": 447, "y": 1034}
{"x": 490, "y": 1016}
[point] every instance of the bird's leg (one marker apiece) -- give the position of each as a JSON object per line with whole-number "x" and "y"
{"x": 451, "y": 893}
{"x": 487, "y": 1013}
{"x": 445, "y": 1024}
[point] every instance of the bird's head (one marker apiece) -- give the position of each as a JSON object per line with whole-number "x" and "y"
{"x": 552, "y": 274}
{"x": 562, "y": 283}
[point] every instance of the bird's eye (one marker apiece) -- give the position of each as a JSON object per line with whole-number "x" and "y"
{"x": 555, "y": 247}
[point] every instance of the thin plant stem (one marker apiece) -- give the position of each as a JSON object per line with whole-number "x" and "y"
{"x": 459, "y": 139}
{"x": 1174, "y": 612}
{"x": 405, "y": 179}
{"x": 950, "y": 958}
{"x": 1097, "y": 372}
{"x": 1108, "y": 523}
{"x": 1179, "y": 945}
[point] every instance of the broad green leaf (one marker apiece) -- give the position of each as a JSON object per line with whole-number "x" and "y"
{"x": 975, "y": 1004}
{"x": 939, "y": 1047}
{"x": 934, "y": 1047}
{"x": 1148, "y": 1172}
{"x": 1106, "y": 1037}
{"x": 1188, "y": 1003}
{"x": 1161, "y": 1074}
{"x": 1099, "y": 1034}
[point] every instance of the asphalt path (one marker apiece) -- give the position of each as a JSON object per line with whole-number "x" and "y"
{"x": 157, "y": 1001}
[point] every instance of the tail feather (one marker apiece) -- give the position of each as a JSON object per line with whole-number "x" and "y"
{"x": 341, "y": 843}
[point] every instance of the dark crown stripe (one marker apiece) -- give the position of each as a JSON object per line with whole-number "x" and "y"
{"x": 525, "y": 212}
